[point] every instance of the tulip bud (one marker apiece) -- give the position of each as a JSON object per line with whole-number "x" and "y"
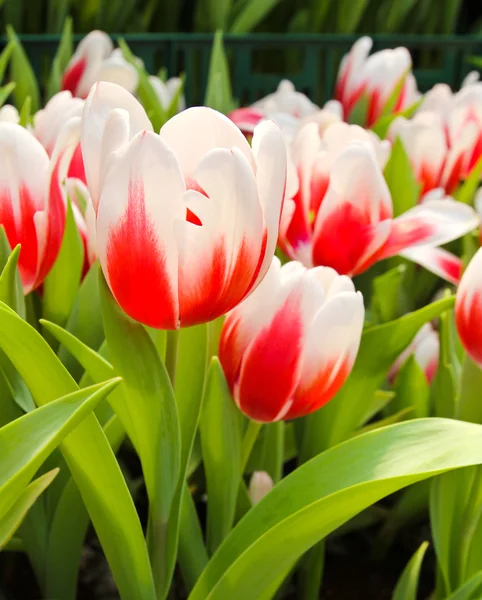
{"x": 96, "y": 60}
{"x": 468, "y": 308}
{"x": 259, "y": 485}
{"x": 425, "y": 348}
{"x": 289, "y": 347}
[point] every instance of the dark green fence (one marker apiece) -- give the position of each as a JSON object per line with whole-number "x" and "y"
{"x": 258, "y": 62}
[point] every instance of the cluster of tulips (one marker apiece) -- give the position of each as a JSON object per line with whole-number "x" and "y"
{"x": 263, "y": 223}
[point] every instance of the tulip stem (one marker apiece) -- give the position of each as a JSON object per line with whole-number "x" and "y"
{"x": 248, "y": 442}
{"x": 172, "y": 346}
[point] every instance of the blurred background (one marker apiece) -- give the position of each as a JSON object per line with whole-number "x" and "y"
{"x": 244, "y": 16}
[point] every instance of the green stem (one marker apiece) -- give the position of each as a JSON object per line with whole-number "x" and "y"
{"x": 248, "y": 442}
{"x": 172, "y": 346}
{"x": 311, "y": 573}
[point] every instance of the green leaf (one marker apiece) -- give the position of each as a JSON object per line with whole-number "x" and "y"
{"x": 221, "y": 449}
{"x": 389, "y": 300}
{"x": 407, "y": 585}
{"x": 145, "y": 91}
{"x": 27, "y": 441}
{"x": 5, "y": 58}
{"x": 5, "y": 92}
{"x": 61, "y": 59}
{"x": 412, "y": 390}
{"x": 62, "y": 283}
{"x": 466, "y": 192}
{"x": 218, "y": 89}
{"x": 359, "y": 113}
{"x": 469, "y": 405}
{"x": 397, "y": 12}
{"x": 22, "y": 73}
{"x": 349, "y": 14}
{"x": 89, "y": 457}
{"x": 25, "y": 116}
{"x": 85, "y": 319}
{"x": 444, "y": 389}
{"x": 382, "y": 125}
{"x": 252, "y": 13}
{"x": 400, "y": 179}
{"x": 11, "y": 292}
{"x": 150, "y": 414}
{"x": 469, "y": 590}
{"x": 380, "y": 346}
{"x": 12, "y": 520}
{"x": 326, "y": 492}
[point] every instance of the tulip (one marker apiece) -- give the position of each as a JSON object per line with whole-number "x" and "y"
{"x": 468, "y": 308}
{"x": 96, "y": 60}
{"x": 354, "y": 226}
{"x": 246, "y": 118}
{"x": 187, "y": 220}
{"x": 425, "y": 348}
{"x": 286, "y": 100}
{"x": 288, "y": 348}
{"x": 33, "y": 199}
{"x": 260, "y": 484}
{"x": 424, "y": 140}
{"x": 375, "y": 77}
{"x": 167, "y": 91}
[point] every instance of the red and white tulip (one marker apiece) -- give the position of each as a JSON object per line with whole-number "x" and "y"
{"x": 468, "y": 309}
{"x": 425, "y": 347}
{"x": 33, "y": 199}
{"x": 376, "y": 77}
{"x": 290, "y": 346}
{"x": 96, "y": 60}
{"x": 287, "y": 100}
{"x": 187, "y": 220}
{"x": 354, "y": 226}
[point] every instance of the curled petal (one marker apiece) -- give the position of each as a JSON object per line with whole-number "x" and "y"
{"x": 437, "y": 260}
{"x": 208, "y": 130}
{"x": 103, "y": 99}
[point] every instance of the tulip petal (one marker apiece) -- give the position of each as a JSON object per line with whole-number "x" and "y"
{"x": 329, "y": 351}
{"x": 468, "y": 308}
{"x": 194, "y": 132}
{"x": 271, "y": 178}
{"x": 103, "y": 99}
{"x": 270, "y": 367}
{"x": 437, "y": 260}
{"x": 434, "y": 222}
{"x": 117, "y": 70}
{"x": 141, "y": 199}
{"x": 220, "y": 260}
{"x": 23, "y": 180}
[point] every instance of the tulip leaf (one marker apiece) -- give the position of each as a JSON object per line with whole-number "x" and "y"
{"x": 25, "y": 116}
{"x": 27, "y": 441}
{"x": 5, "y": 92}
{"x": 85, "y": 320}
{"x": 61, "y": 60}
{"x": 11, "y": 292}
{"x": 326, "y": 492}
{"x": 89, "y": 457}
{"x": 349, "y": 13}
{"x": 380, "y": 346}
{"x": 251, "y": 14}
{"x": 12, "y": 520}
{"x": 5, "y": 58}
{"x": 221, "y": 449}
{"x": 400, "y": 179}
{"x": 444, "y": 389}
{"x": 382, "y": 125}
{"x": 389, "y": 300}
{"x": 407, "y": 585}
{"x": 469, "y": 407}
{"x": 471, "y": 590}
{"x": 62, "y": 283}
{"x": 218, "y": 89}
{"x": 151, "y": 409}
{"x": 466, "y": 192}
{"x": 412, "y": 390}
{"x": 22, "y": 73}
